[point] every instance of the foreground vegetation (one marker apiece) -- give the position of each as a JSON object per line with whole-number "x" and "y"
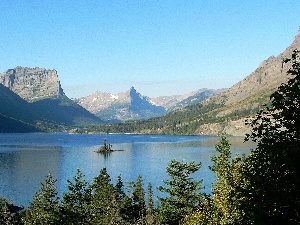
{"x": 261, "y": 188}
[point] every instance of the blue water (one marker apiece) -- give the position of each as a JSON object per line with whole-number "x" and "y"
{"x": 26, "y": 159}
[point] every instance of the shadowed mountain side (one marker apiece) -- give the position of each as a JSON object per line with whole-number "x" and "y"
{"x": 64, "y": 111}
{"x": 142, "y": 105}
{"x": 16, "y": 114}
{"x": 10, "y": 125}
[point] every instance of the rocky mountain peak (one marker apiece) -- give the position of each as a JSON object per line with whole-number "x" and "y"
{"x": 134, "y": 95}
{"x": 132, "y": 89}
{"x": 296, "y": 43}
{"x": 32, "y": 83}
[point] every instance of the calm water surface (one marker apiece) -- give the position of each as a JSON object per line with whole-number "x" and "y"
{"x": 25, "y": 159}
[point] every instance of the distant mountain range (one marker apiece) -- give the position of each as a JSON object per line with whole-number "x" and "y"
{"x": 171, "y": 103}
{"x": 32, "y": 100}
{"x": 131, "y": 105}
{"x": 224, "y": 112}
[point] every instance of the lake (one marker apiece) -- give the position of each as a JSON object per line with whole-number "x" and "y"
{"x": 26, "y": 159}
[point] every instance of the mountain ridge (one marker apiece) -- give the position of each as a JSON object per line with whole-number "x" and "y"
{"x": 131, "y": 105}
{"x": 120, "y": 107}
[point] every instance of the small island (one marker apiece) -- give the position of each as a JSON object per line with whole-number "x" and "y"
{"x": 106, "y": 148}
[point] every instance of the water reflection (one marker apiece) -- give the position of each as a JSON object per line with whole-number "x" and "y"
{"x": 21, "y": 171}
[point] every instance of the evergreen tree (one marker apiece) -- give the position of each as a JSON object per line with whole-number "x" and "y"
{"x": 224, "y": 205}
{"x": 138, "y": 199}
{"x": 183, "y": 192}
{"x": 150, "y": 206}
{"x": 75, "y": 206}
{"x": 123, "y": 201}
{"x": 229, "y": 180}
{"x": 103, "y": 204}
{"x": 150, "y": 214}
{"x": 120, "y": 188}
{"x": 8, "y": 216}
{"x": 44, "y": 207}
{"x": 273, "y": 168}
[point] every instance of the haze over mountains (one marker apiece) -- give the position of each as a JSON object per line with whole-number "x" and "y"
{"x": 32, "y": 99}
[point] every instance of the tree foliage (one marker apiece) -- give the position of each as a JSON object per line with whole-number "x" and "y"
{"x": 223, "y": 207}
{"x": 105, "y": 148}
{"x": 228, "y": 181}
{"x": 76, "y": 202}
{"x": 8, "y": 213}
{"x": 103, "y": 204}
{"x": 183, "y": 192}
{"x": 138, "y": 198}
{"x": 274, "y": 166}
{"x": 44, "y": 207}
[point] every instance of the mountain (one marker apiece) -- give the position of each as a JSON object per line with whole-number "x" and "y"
{"x": 13, "y": 105}
{"x": 249, "y": 95}
{"x": 171, "y": 103}
{"x": 34, "y": 96}
{"x": 131, "y": 105}
{"x": 227, "y": 111}
{"x": 120, "y": 107}
{"x": 32, "y": 84}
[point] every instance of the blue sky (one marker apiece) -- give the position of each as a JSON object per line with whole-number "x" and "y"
{"x": 161, "y": 47}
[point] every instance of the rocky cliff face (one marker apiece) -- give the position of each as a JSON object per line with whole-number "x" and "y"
{"x": 32, "y": 84}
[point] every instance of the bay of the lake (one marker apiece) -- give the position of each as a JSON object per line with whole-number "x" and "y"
{"x": 26, "y": 159}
